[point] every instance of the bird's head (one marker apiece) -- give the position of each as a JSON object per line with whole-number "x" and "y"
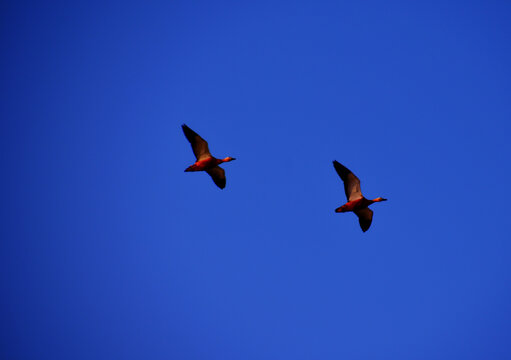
{"x": 378, "y": 199}
{"x": 228, "y": 158}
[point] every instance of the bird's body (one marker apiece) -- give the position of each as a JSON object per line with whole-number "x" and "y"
{"x": 204, "y": 164}
{"x": 357, "y": 203}
{"x": 205, "y": 161}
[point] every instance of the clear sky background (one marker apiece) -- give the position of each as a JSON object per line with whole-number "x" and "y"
{"x": 109, "y": 250}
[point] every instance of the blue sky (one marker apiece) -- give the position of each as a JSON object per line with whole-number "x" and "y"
{"x": 110, "y": 250}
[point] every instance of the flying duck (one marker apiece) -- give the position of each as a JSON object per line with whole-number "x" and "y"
{"x": 356, "y": 201}
{"x": 205, "y": 161}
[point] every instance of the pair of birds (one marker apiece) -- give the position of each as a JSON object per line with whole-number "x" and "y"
{"x": 357, "y": 203}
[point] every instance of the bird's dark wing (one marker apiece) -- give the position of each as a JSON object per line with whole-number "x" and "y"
{"x": 218, "y": 176}
{"x": 351, "y": 182}
{"x": 199, "y": 145}
{"x": 365, "y": 217}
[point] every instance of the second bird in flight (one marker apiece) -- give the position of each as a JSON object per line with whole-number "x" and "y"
{"x": 356, "y": 201}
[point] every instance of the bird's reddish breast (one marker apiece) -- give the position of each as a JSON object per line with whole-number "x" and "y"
{"x": 354, "y": 205}
{"x": 206, "y": 164}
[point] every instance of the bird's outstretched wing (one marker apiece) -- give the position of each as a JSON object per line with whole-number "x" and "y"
{"x": 365, "y": 217}
{"x": 218, "y": 176}
{"x": 199, "y": 145}
{"x": 351, "y": 182}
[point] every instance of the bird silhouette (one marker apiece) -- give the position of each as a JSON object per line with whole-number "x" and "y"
{"x": 205, "y": 161}
{"x": 356, "y": 201}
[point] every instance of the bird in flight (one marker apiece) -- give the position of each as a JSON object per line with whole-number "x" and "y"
{"x": 356, "y": 201}
{"x": 205, "y": 161}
